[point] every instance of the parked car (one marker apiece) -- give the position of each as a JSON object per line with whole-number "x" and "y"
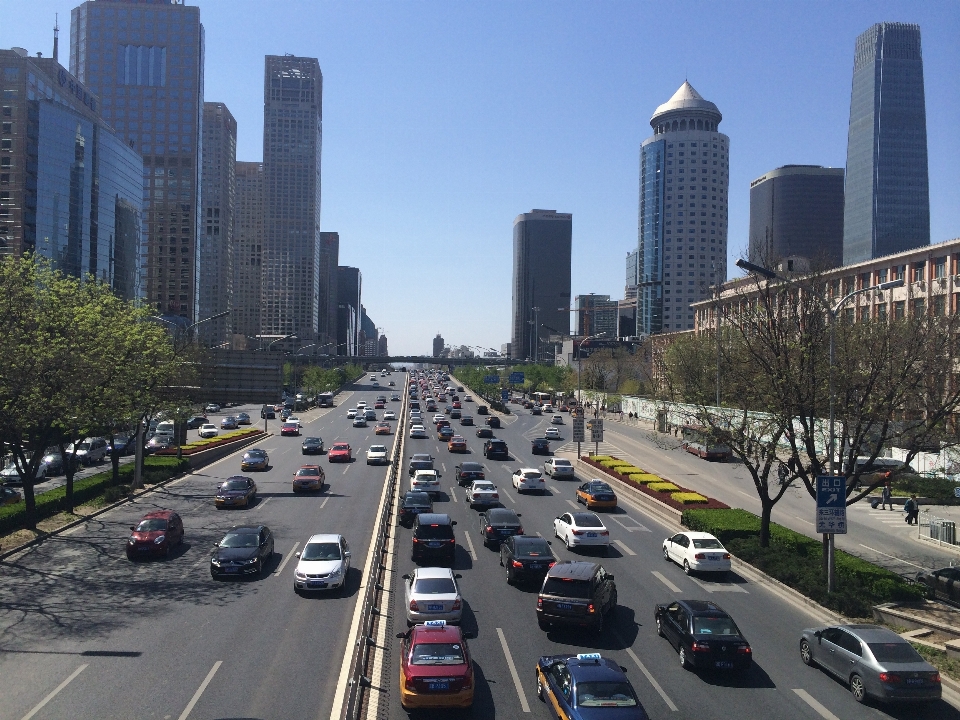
{"x": 90, "y": 451}
{"x": 229, "y": 423}
{"x": 704, "y": 634}
{"x": 156, "y": 534}
{"x": 243, "y": 551}
{"x": 9, "y": 496}
{"x": 208, "y": 431}
{"x": 212, "y": 408}
{"x": 243, "y": 419}
{"x": 11, "y": 476}
{"x": 197, "y": 421}
{"x": 576, "y": 593}
{"x": 161, "y": 442}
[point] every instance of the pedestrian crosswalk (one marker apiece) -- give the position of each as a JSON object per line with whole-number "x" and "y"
{"x": 589, "y": 447}
{"x": 893, "y": 518}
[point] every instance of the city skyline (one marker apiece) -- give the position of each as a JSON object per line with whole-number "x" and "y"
{"x": 427, "y": 122}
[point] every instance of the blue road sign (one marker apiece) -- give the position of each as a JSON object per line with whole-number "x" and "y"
{"x": 831, "y": 504}
{"x": 491, "y": 379}
{"x": 504, "y": 395}
{"x": 516, "y": 378}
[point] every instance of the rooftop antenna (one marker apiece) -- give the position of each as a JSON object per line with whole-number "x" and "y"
{"x": 56, "y": 36}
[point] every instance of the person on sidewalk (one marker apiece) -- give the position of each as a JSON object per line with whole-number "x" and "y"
{"x": 911, "y": 508}
{"x": 886, "y": 496}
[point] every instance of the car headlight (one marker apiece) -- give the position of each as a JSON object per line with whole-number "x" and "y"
{"x": 301, "y": 575}
{"x": 250, "y": 561}
{"x": 160, "y": 539}
{"x": 336, "y": 573}
{"x": 132, "y": 540}
{"x": 215, "y": 561}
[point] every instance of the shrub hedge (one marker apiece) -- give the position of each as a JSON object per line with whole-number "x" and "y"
{"x": 795, "y": 560}
{"x": 156, "y": 469}
{"x": 663, "y": 487}
{"x": 643, "y": 477}
{"x": 688, "y": 498}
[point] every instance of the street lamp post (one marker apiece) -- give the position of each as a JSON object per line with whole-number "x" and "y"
{"x": 579, "y": 364}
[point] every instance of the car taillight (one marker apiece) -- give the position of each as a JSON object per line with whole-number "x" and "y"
{"x": 552, "y": 563}
{"x": 700, "y": 556}
{"x": 889, "y": 678}
{"x": 590, "y": 608}
{"x": 414, "y": 607}
{"x": 726, "y": 556}
{"x": 539, "y": 603}
{"x": 415, "y": 541}
{"x": 495, "y": 496}
{"x": 468, "y": 681}
{"x": 489, "y": 529}
{"x": 517, "y": 564}
{"x": 700, "y": 646}
{"x": 520, "y": 531}
{"x": 579, "y": 532}
{"x": 935, "y": 677}
{"x": 456, "y": 604}
{"x": 745, "y": 650}
{"x": 605, "y": 532}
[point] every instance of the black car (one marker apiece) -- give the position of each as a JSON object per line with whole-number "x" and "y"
{"x": 704, "y": 634}
{"x": 493, "y": 421}
{"x": 481, "y": 409}
{"x": 576, "y": 593}
{"x": 526, "y": 557}
{"x": 484, "y": 432}
{"x": 196, "y": 421}
{"x": 497, "y": 524}
{"x": 455, "y": 414}
{"x": 124, "y": 444}
{"x": 495, "y": 448}
{"x": 942, "y": 584}
{"x": 540, "y": 446}
{"x": 243, "y": 551}
{"x": 468, "y": 472}
{"x": 447, "y": 409}
{"x": 420, "y": 461}
{"x": 413, "y": 504}
{"x": 312, "y": 446}
{"x": 433, "y": 538}
{"x": 466, "y": 420}
{"x": 267, "y": 412}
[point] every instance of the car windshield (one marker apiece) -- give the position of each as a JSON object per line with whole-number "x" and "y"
{"x": 234, "y": 485}
{"x": 587, "y": 520}
{"x": 312, "y": 441}
{"x": 253, "y": 455}
{"x": 707, "y": 544}
{"x": 714, "y": 626}
{"x": 377, "y": 449}
{"x": 151, "y": 525}
{"x": 435, "y": 586}
{"x": 437, "y": 654}
{"x": 240, "y": 540}
{"x": 605, "y": 694}
{"x": 434, "y": 532}
{"x": 83, "y": 446}
{"x": 308, "y": 472}
{"x": 894, "y": 652}
{"x": 321, "y": 551}
{"x": 566, "y": 587}
{"x": 533, "y": 548}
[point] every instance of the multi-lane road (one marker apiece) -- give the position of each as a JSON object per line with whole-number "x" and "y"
{"x": 86, "y": 634}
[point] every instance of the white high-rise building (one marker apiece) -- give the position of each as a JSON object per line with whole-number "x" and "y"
{"x": 684, "y": 177}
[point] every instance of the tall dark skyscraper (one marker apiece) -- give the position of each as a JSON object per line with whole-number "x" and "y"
{"x": 248, "y": 250}
{"x": 144, "y": 58}
{"x": 349, "y": 296}
{"x": 887, "y": 195}
{"x": 797, "y": 210}
{"x": 542, "y": 245}
{"x": 292, "y": 139}
{"x": 327, "y": 312}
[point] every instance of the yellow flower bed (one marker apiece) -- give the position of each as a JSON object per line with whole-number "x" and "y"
{"x": 627, "y": 469}
{"x": 225, "y": 436}
{"x": 601, "y": 458}
{"x": 688, "y": 498}
{"x": 662, "y": 486}
{"x": 644, "y": 478}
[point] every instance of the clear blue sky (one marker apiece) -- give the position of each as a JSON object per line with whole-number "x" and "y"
{"x": 444, "y": 120}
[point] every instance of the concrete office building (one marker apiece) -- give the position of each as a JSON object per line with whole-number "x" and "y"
{"x": 248, "y": 251}
{"x": 70, "y": 188}
{"x": 597, "y": 314}
{"x": 438, "y": 345}
{"x": 144, "y": 59}
{"x": 349, "y": 293}
{"x": 684, "y": 176}
{"x": 887, "y": 195}
{"x": 797, "y": 210}
{"x": 542, "y": 243}
{"x": 292, "y": 140}
{"x": 327, "y": 310}
{"x": 217, "y": 197}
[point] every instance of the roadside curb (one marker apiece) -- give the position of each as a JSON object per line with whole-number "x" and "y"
{"x": 129, "y": 499}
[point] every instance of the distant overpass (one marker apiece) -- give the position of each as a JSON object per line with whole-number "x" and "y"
{"x": 428, "y": 360}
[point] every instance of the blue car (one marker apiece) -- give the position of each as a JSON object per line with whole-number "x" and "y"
{"x": 587, "y": 687}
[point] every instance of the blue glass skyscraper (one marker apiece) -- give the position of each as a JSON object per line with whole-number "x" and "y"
{"x": 887, "y": 196}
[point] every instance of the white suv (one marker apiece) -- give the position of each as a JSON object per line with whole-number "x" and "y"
{"x": 529, "y": 479}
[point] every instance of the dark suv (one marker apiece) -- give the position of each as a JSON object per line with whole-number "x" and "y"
{"x": 495, "y": 448}
{"x": 420, "y": 461}
{"x": 433, "y": 538}
{"x": 576, "y": 593}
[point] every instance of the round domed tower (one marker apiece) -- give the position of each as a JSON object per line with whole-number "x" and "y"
{"x": 686, "y": 110}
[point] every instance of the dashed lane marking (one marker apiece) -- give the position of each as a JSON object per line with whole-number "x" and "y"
{"x": 623, "y": 546}
{"x": 719, "y": 587}
{"x": 53, "y": 693}
{"x": 323, "y": 504}
{"x": 664, "y": 580}
{"x": 473, "y": 553}
{"x": 203, "y": 686}
{"x": 453, "y": 494}
{"x": 652, "y": 680}
{"x": 813, "y": 703}
{"x": 509, "y": 496}
{"x": 631, "y": 528}
{"x": 260, "y": 505}
{"x": 572, "y": 504}
{"x": 513, "y": 671}
{"x": 283, "y": 564}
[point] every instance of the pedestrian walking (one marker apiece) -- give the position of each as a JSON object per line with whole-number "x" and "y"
{"x": 911, "y": 508}
{"x": 886, "y": 496}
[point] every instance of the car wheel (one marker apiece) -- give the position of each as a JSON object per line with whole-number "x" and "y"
{"x": 684, "y": 663}
{"x": 806, "y": 655}
{"x": 540, "y": 695}
{"x": 566, "y": 540}
{"x": 659, "y": 628}
{"x": 167, "y": 552}
{"x": 686, "y": 567}
{"x": 857, "y": 688}
{"x": 598, "y": 626}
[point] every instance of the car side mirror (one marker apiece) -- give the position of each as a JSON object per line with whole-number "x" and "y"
{"x": 609, "y": 577}
{"x": 549, "y": 542}
{"x": 458, "y": 576}
{"x": 405, "y": 577}
{"x": 453, "y": 522}
{"x": 347, "y": 553}
{"x": 469, "y": 635}
{"x": 519, "y": 514}
{"x": 622, "y": 668}
{"x": 296, "y": 555}
{"x": 132, "y": 527}
{"x": 557, "y": 517}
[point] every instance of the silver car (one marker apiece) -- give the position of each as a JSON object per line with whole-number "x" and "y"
{"x": 872, "y": 660}
{"x": 431, "y": 593}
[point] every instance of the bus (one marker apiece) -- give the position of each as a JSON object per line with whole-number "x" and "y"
{"x": 325, "y": 399}
{"x": 702, "y": 442}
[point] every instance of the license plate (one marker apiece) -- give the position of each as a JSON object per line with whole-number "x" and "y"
{"x": 535, "y": 566}
{"x": 230, "y": 570}
{"x": 438, "y": 686}
{"x": 316, "y": 584}
{"x": 505, "y": 531}
{"x": 914, "y": 681}
{"x": 565, "y": 606}
{"x": 434, "y": 608}
{"x": 591, "y": 534}
{"x": 433, "y": 545}
{"x": 723, "y": 664}
{"x": 142, "y": 550}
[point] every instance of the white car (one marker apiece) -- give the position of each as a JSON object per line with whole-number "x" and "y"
{"x": 208, "y": 431}
{"x": 324, "y": 564}
{"x": 696, "y": 552}
{"x": 389, "y": 415}
{"x": 377, "y": 455}
{"x": 529, "y": 479}
{"x": 556, "y": 420}
{"x": 438, "y": 417}
{"x": 432, "y": 594}
{"x": 296, "y": 420}
{"x": 581, "y": 529}
{"x": 418, "y": 431}
{"x": 351, "y": 413}
{"x": 362, "y": 405}
{"x": 427, "y": 481}
{"x": 552, "y": 433}
{"x": 11, "y": 475}
{"x": 467, "y": 398}
{"x": 482, "y": 492}
{"x": 547, "y": 408}
{"x": 558, "y": 468}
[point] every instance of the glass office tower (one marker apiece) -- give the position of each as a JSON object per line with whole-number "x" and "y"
{"x": 887, "y": 194}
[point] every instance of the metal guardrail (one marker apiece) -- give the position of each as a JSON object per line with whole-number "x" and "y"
{"x": 935, "y": 529}
{"x": 353, "y": 702}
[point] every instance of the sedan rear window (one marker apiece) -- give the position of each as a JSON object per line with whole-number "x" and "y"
{"x": 605, "y": 694}
{"x": 564, "y": 587}
{"x": 533, "y": 548}
{"x": 587, "y": 520}
{"x": 435, "y": 532}
{"x": 435, "y": 586}
{"x": 561, "y": 462}
{"x": 707, "y": 544}
{"x": 437, "y": 654}
{"x": 894, "y": 652}
{"x": 714, "y": 626}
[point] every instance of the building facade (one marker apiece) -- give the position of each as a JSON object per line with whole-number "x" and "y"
{"x": 684, "y": 177}
{"x": 217, "y": 197}
{"x": 597, "y": 314}
{"x": 438, "y": 345}
{"x": 797, "y": 210}
{"x": 542, "y": 246}
{"x": 292, "y": 140}
{"x": 327, "y": 310}
{"x": 887, "y": 194}
{"x": 248, "y": 240}
{"x": 144, "y": 59}
{"x": 349, "y": 294}
{"x": 70, "y": 188}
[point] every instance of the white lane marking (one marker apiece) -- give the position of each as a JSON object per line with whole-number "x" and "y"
{"x": 666, "y": 582}
{"x": 803, "y": 520}
{"x": 652, "y": 680}
{"x": 473, "y": 553}
{"x": 53, "y": 693}
{"x": 203, "y": 686}
{"x": 513, "y": 671}
{"x": 260, "y": 505}
{"x": 572, "y": 504}
{"x": 719, "y": 587}
{"x": 324, "y": 502}
{"x": 505, "y": 466}
{"x": 444, "y": 466}
{"x": 631, "y": 528}
{"x": 283, "y": 564}
{"x": 747, "y": 494}
{"x": 453, "y": 494}
{"x": 623, "y": 546}
{"x": 554, "y": 488}
{"x": 509, "y": 496}
{"x": 893, "y": 557}
{"x": 347, "y": 468}
{"x": 812, "y": 702}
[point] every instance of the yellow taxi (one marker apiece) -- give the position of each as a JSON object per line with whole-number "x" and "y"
{"x": 596, "y": 494}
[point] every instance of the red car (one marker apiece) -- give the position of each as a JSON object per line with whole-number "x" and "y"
{"x": 378, "y": 405}
{"x": 290, "y": 428}
{"x": 340, "y": 452}
{"x": 157, "y": 533}
{"x": 435, "y": 667}
{"x": 457, "y": 405}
